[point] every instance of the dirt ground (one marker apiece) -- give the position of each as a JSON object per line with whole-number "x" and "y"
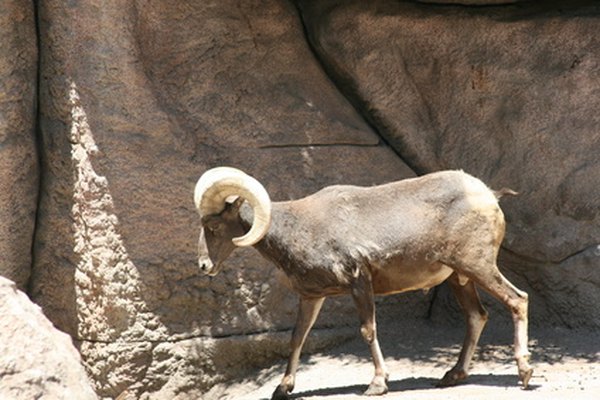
{"x": 566, "y": 362}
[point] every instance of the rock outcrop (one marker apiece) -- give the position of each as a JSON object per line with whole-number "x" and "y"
{"x": 37, "y": 361}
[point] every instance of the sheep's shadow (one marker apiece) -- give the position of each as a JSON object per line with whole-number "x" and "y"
{"x": 409, "y": 384}
{"x": 393, "y": 386}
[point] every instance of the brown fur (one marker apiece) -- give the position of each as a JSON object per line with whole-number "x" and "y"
{"x": 405, "y": 235}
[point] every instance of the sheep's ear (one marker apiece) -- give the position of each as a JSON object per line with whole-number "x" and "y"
{"x": 237, "y": 204}
{"x": 233, "y": 204}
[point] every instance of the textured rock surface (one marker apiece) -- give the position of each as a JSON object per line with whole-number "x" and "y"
{"x": 137, "y": 100}
{"x": 185, "y": 369}
{"x": 36, "y": 360}
{"x": 507, "y": 93}
{"x": 18, "y": 159}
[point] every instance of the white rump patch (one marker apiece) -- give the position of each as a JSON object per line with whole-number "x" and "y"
{"x": 477, "y": 193}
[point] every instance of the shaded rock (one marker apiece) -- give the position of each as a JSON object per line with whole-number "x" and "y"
{"x": 505, "y": 93}
{"x": 36, "y": 360}
{"x": 558, "y": 293}
{"x": 18, "y": 158}
{"x": 563, "y": 291}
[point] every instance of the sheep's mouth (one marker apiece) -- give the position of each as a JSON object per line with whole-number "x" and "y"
{"x": 215, "y": 270}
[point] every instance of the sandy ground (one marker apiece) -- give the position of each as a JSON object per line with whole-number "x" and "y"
{"x": 566, "y": 362}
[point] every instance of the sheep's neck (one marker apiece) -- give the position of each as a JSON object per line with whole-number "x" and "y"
{"x": 272, "y": 245}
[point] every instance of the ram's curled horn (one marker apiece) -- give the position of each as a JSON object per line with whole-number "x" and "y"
{"x": 217, "y": 184}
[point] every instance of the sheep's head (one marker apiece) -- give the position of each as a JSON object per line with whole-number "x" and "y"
{"x": 218, "y": 196}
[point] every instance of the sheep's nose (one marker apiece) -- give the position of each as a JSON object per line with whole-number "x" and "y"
{"x": 205, "y": 265}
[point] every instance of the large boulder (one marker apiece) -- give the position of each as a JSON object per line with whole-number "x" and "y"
{"x": 508, "y": 94}
{"x": 137, "y": 100}
{"x": 18, "y": 158}
{"x": 37, "y": 361}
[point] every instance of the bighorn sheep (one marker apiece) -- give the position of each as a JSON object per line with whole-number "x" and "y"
{"x": 366, "y": 241}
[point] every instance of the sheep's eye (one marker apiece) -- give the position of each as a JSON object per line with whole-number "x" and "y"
{"x": 215, "y": 228}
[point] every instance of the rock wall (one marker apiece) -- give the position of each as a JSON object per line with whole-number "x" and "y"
{"x": 138, "y": 98}
{"x": 505, "y": 93}
{"x": 18, "y": 156}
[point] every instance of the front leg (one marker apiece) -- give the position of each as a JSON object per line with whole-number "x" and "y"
{"x": 362, "y": 294}
{"x": 308, "y": 311}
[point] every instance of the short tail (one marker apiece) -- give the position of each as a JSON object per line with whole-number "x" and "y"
{"x": 504, "y": 192}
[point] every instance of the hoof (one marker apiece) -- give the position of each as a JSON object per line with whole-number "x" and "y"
{"x": 377, "y": 387}
{"x": 525, "y": 370}
{"x": 280, "y": 394}
{"x": 525, "y": 376}
{"x": 452, "y": 378}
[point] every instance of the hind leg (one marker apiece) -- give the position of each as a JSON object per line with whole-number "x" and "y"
{"x": 517, "y": 301}
{"x": 476, "y": 317}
